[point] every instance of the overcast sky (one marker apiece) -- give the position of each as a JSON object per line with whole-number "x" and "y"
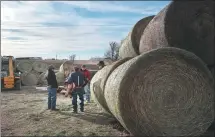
{"x": 85, "y": 28}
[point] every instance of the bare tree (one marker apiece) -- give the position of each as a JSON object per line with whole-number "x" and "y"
{"x": 72, "y": 57}
{"x": 113, "y": 52}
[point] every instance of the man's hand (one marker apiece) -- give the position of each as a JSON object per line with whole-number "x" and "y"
{"x": 66, "y": 94}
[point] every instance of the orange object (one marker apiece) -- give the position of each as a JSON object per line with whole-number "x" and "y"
{"x": 11, "y": 80}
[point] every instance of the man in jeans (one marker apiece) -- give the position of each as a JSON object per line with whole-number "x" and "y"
{"x": 77, "y": 81}
{"x": 52, "y": 88}
{"x": 87, "y": 87}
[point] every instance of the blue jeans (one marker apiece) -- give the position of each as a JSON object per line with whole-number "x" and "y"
{"x": 87, "y": 92}
{"x": 52, "y": 92}
{"x": 79, "y": 92}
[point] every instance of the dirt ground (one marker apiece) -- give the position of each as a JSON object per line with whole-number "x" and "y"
{"x": 23, "y": 113}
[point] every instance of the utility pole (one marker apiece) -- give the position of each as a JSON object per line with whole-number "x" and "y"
{"x": 56, "y": 56}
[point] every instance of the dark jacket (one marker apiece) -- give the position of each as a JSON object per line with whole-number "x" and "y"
{"x": 78, "y": 79}
{"x": 51, "y": 79}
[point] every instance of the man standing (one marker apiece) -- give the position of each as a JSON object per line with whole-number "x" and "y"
{"x": 52, "y": 88}
{"x": 78, "y": 81}
{"x": 87, "y": 87}
{"x": 101, "y": 64}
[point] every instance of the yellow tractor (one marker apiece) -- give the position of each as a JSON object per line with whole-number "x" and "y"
{"x": 10, "y": 77}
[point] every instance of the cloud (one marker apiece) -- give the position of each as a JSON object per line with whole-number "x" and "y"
{"x": 45, "y": 28}
{"x": 108, "y": 6}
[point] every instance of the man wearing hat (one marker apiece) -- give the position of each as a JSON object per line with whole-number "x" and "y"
{"x": 77, "y": 81}
{"x": 101, "y": 64}
{"x": 52, "y": 88}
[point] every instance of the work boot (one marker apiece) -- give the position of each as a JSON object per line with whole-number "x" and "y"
{"x": 75, "y": 109}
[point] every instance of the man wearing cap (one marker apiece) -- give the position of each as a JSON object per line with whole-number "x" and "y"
{"x": 87, "y": 87}
{"x": 52, "y": 88}
{"x": 101, "y": 64}
{"x": 78, "y": 80}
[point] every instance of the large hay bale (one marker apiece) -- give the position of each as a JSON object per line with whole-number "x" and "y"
{"x": 187, "y": 25}
{"x": 24, "y": 65}
{"x": 98, "y": 82}
{"x": 164, "y": 92}
{"x": 42, "y": 78}
{"x": 66, "y": 68}
{"x": 40, "y": 66}
{"x": 60, "y": 78}
{"x": 130, "y": 45}
{"x": 96, "y": 89}
{"x": 29, "y": 79}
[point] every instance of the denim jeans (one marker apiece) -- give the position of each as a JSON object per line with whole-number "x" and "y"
{"x": 79, "y": 92}
{"x": 52, "y": 92}
{"x": 87, "y": 92}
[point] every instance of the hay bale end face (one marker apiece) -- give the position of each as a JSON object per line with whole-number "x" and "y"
{"x": 29, "y": 79}
{"x": 130, "y": 45}
{"x": 40, "y": 66}
{"x": 167, "y": 92}
{"x": 186, "y": 25}
{"x": 24, "y": 66}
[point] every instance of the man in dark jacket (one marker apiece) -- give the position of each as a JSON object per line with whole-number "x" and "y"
{"x": 52, "y": 88}
{"x": 79, "y": 81}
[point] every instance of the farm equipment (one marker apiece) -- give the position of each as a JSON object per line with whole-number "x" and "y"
{"x": 10, "y": 76}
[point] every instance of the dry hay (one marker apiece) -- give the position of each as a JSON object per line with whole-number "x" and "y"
{"x": 98, "y": 83}
{"x": 29, "y": 79}
{"x": 96, "y": 88}
{"x": 60, "y": 78}
{"x": 40, "y": 66}
{"x": 130, "y": 45}
{"x": 37, "y": 74}
{"x": 66, "y": 68}
{"x": 24, "y": 65}
{"x": 164, "y": 92}
{"x": 186, "y": 25}
{"x": 92, "y": 72}
{"x": 42, "y": 78}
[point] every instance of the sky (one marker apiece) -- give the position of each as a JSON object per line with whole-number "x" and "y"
{"x": 85, "y": 28}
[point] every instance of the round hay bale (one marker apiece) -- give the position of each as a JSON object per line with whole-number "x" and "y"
{"x": 186, "y": 25}
{"x": 130, "y": 45}
{"x": 37, "y": 74}
{"x": 96, "y": 88}
{"x": 60, "y": 78}
{"x": 42, "y": 78}
{"x": 98, "y": 83}
{"x": 24, "y": 66}
{"x": 29, "y": 79}
{"x": 66, "y": 68}
{"x": 40, "y": 66}
{"x": 164, "y": 92}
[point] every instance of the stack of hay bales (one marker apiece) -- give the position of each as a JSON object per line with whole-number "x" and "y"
{"x": 170, "y": 94}
{"x": 130, "y": 45}
{"x": 168, "y": 89}
{"x": 32, "y": 72}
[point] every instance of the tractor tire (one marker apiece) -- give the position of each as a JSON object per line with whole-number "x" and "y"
{"x": 18, "y": 85}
